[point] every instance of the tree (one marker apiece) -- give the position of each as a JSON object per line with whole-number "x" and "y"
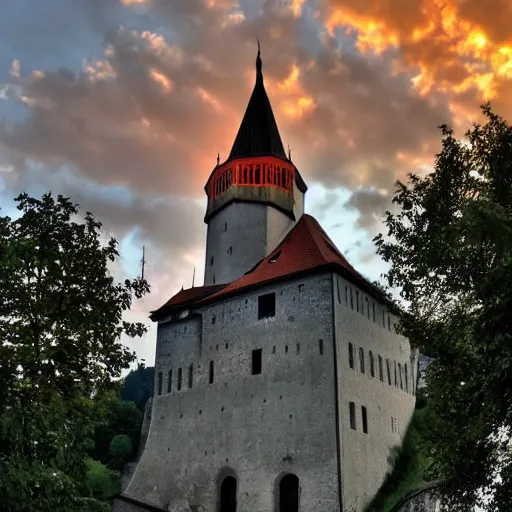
{"x": 120, "y": 451}
{"x": 138, "y": 386}
{"x": 450, "y": 250}
{"x": 61, "y": 318}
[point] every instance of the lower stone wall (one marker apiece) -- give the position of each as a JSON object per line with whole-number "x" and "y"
{"x": 421, "y": 500}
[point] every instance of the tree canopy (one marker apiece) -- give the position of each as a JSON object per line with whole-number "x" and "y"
{"x": 449, "y": 243}
{"x": 61, "y": 319}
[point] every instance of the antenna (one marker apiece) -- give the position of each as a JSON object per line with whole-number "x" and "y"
{"x": 143, "y": 260}
{"x": 194, "y": 276}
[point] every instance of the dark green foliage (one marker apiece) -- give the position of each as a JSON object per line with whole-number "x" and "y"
{"x": 450, "y": 249}
{"x": 120, "y": 451}
{"x": 410, "y": 463}
{"x": 102, "y": 482}
{"x": 60, "y": 325}
{"x": 138, "y": 386}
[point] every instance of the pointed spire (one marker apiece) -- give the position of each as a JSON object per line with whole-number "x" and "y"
{"x": 218, "y": 159}
{"x": 258, "y": 134}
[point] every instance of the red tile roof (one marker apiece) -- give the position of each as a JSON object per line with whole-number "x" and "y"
{"x": 305, "y": 248}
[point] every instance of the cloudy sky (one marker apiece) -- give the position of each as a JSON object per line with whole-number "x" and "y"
{"x": 123, "y": 105}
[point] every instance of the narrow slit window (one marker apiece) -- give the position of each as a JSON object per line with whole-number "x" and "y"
{"x": 160, "y": 378}
{"x": 372, "y": 364}
{"x": 357, "y": 301}
{"x": 346, "y": 295}
{"x": 169, "y": 381}
{"x": 351, "y": 355}
{"x": 256, "y": 361}
{"x": 361, "y": 359}
{"x": 352, "y": 412}
{"x": 373, "y": 307}
{"x": 400, "y": 376}
{"x": 211, "y": 372}
{"x": 298, "y": 348}
{"x": 406, "y": 378}
{"x": 364, "y": 418}
{"x": 367, "y": 306}
{"x": 381, "y": 370}
{"x": 351, "y": 299}
{"x": 179, "y": 379}
{"x": 321, "y": 346}
{"x": 396, "y": 379}
{"x": 389, "y": 371}
{"x": 190, "y": 376}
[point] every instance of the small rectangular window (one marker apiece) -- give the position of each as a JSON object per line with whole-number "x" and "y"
{"x": 256, "y": 361}
{"x": 389, "y": 371}
{"x": 357, "y": 301}
{"x": 169, "y": 381}
{"x": 351, "y": 355}
{"x": 160, "y": 378}
{"x": 190, "y": 376}
{"x": 351, "y": 299}
{"x": 346, "y": 295}
{"x": 400, "y": 375}
{"x": 266, "y": 306}
{"x": 361, "y": 359}
{"x": 373, "y": 307}
{"x": 372, "y": 364}
{"x": 211, "y": 372}
{"x": 179, "y": 379}
{"x": 321, "y": 346}
{"x": 364, "y": 417}
{"x": 396, "y": 379}
{"x": 298, "y": 348}
{"x": 406, "y": 378}
{"x": 381, "y": 371}
{"x": 352, "y": 411}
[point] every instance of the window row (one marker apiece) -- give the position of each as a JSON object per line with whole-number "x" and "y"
{"x": 358, "y": 301}
{"x": 400, "y": 372}
{"x": 364, "y": 419}
{"x": 253, "y": 174}
{"x": 256, "y": 368}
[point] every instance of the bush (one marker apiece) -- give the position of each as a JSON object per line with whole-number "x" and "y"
{"x": 102, "y": 482}
{"x": 119, "y": 451}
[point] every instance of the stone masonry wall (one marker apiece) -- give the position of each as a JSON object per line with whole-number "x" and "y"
{"x": 254, "y": 427}
{"x": 389, "y": 408}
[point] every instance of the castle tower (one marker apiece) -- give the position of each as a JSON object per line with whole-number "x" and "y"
{"x": 253, "y": 197}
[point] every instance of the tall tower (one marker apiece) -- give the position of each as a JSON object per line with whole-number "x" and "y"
{"x": 253, "y": 197}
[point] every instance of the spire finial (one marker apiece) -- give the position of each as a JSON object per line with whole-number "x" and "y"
{"x": 289, "y": 153}
{"x": 259, "y": 74}
{"x": 218, "y": 159}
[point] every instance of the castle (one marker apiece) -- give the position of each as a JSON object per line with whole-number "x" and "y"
{"x": 281, "y": 384}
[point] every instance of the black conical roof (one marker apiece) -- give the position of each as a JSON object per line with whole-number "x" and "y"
{"x": 258, "y": 133}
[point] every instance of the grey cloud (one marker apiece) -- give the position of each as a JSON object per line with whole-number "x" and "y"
{"x": 371, "y": 206}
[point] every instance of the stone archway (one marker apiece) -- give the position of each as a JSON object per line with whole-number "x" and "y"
{"x": 289, "y": 493}
{"x": 228, "y": 494}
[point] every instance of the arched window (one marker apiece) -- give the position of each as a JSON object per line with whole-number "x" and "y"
{"x": 228, "y": 494}
{"x": 246, "y": 176}
{"x": 289, "y": 494}
{"x": 257, "y": 179}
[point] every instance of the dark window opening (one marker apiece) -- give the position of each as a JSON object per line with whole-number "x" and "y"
{"x": 381, "y": 371}
{"x": 256, "y": 361}
{"x": 213, "y": 319}
{"x": 389, "y": 371}
{"x": 351, "y": 355}
{"x": 396, "y": 380}
{"x": 274, "y": 349}
{"x": 275, "y": 257}
{"x": 406, "y": 378}
{"x": 352, "y": 411}
{"x": 346, "y": 295}
{"x": 400, "y": 375}
{"x": 321, "y": 346}
{"x": 361, "y": 360}
{"x": 160, "y": 378}
{"x": 211, "y": 260}
{"x": 372, "y": 364}
{"x": 365, "y": 419}
{"x": 179, "y": 379}
{"x": 289, "y": 494}
{"x": 225, "y": 226}
{"x": 230, "y": 250}
{"x": 266, "y": 305}
{"x": 286, "y": 349}
{"x": 298, "y": 348}
{"x": 190, "y": 375}
{"x": 211, "y": 372}
{"x": 169, "y": 381}
{"x": 228, "y": 495}
{"x": 301, "y": 288}
{"x": 357, "y": 301}
{"x": 367, "y": 306}
{"x": 351, "y": 299}
{"x": 213, "y": 278}
{"x": 389, "y": 323}
{"x": 373, "y": 307}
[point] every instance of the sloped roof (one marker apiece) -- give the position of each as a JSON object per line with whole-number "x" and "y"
{"x": 258, "y": 134}
{"x": 304, "y": 249}
{"x": 187, "y": 297}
